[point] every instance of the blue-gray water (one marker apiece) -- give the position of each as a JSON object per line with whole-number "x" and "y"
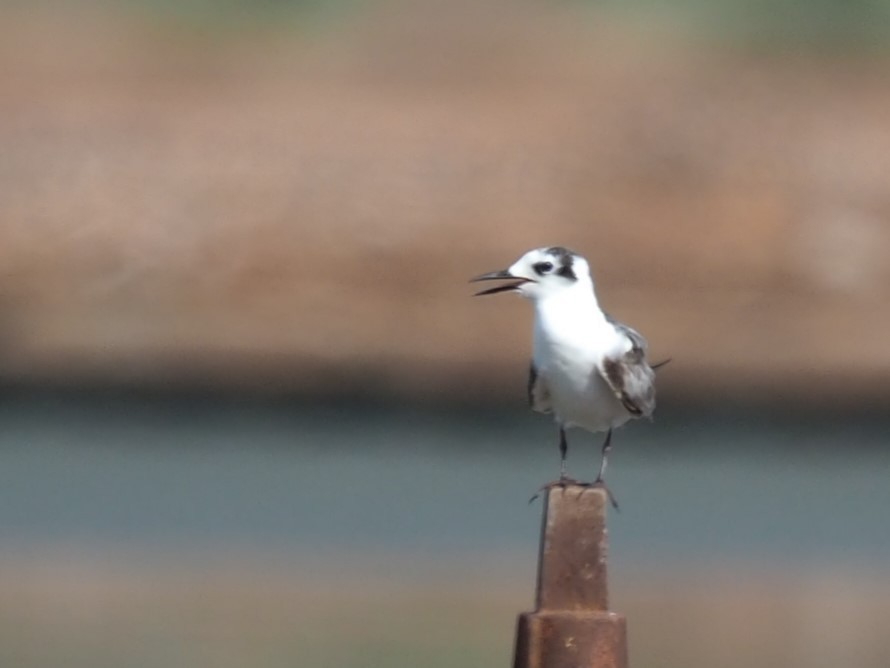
{"x": 164, "y": 473}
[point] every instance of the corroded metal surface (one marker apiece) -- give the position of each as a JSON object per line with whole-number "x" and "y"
{"x": 571, "y": 640}
{"x": 572, "y": 626}
{"x": 572, "y": 561}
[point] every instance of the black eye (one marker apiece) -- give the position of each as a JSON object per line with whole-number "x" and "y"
{"x": 542, "y": 267}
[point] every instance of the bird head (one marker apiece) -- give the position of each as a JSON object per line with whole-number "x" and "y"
{"x": 540, "y": 273}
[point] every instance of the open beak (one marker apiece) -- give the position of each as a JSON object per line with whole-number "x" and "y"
{"x": 502, "y": 275}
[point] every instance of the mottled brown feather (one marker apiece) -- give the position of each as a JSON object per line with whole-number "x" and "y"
{"x": 629, "y": 376}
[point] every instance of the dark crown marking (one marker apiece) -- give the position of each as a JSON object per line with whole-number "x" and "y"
{"x": 565, "y": 259}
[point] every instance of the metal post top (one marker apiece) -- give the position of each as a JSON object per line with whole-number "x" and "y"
{"x": 572, "y": 561}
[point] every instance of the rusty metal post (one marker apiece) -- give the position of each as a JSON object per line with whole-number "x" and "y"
{"x": 572, "y": 626}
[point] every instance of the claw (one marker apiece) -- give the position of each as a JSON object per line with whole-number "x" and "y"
{"x": 564, "y": 481}
{"x": 599, "y": 482}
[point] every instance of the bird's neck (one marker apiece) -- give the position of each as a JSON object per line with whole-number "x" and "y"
{"x": 574, "y": 312}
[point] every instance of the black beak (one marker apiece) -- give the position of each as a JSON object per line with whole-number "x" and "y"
{"x": 499, "y": 276}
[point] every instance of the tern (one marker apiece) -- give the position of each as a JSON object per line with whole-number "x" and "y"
{"x": 587, "y": 369}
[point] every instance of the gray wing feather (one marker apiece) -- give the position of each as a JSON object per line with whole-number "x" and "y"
{"x": 538, "y": 394}
{"x": 630, "y": 376}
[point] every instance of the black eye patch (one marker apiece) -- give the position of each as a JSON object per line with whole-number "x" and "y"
{"x": 566, "y": 260}
{"x": 542, "y": 268}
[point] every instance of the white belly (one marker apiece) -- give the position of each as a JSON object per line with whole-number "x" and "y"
{"x": 578, "y": 394}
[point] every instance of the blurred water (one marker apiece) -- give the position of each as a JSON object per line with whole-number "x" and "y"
{"x": 306, "y": 478}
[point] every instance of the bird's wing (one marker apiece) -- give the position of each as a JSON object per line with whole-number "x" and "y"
{"x": 538, "y": 393}
{"x": 629, "y": 375}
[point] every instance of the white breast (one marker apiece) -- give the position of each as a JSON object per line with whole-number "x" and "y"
{"x": 568, "y": 346}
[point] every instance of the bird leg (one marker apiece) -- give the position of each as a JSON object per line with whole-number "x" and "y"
{"x": 600, "y": 478}
{"x": 563, "y": 452}
{"x": 564, "y": 480}
{"x": 607, "y": 446}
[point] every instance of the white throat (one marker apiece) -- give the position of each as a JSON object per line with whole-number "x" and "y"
{"x": 571, "y": 313}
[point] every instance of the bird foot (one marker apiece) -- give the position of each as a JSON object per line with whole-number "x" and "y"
{"x": 599, "y": 482}
{"x": 567, "y": 482}
{"x": 563, "y": 481}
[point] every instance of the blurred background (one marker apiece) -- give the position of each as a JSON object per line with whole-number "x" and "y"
{"x": 250, "y": 415}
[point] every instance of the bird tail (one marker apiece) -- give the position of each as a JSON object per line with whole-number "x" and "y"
{"x": 660, "y": 364}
